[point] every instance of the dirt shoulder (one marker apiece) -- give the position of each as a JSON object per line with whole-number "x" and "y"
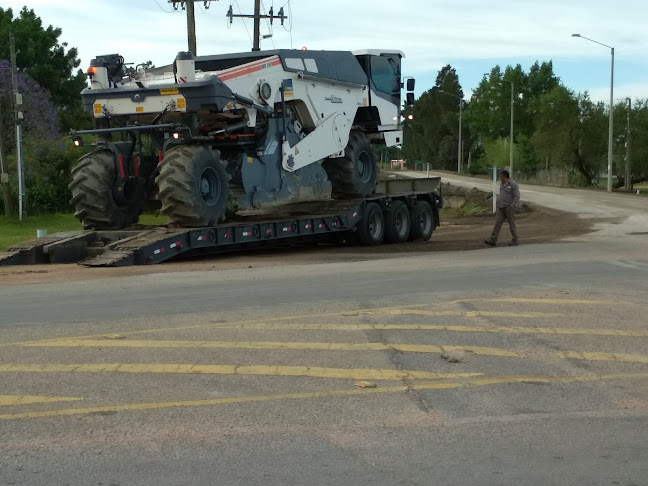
{"x": 458, "y": 232}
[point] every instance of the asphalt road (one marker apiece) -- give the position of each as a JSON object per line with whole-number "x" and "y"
{"x": 510, "y": 366}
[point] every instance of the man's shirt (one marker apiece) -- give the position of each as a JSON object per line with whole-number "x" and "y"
{"x": 509, "y": 194}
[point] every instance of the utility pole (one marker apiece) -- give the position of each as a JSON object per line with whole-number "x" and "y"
{"x": 18, "y": 117}
{"x": 628, "y": 163}
{"x": 189, "y": 6}
{"x": 256, "y": 42}
{"x": 4, "y": 176}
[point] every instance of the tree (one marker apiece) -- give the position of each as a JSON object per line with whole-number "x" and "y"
{"x": 40, "y": 117}
{"x": 47, "y": 61}
{"x": 432, "y": 134}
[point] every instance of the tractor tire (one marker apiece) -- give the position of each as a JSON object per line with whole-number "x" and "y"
{"x": 397, "y": 223}
{"x": 356, "y": 174}
{"x": 92, "y": 194}
{"x": 193, "y": 186}
{"x": 371, "y": 228}
{"x": 423, "y": 223}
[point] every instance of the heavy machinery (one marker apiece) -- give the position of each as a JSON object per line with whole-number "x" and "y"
{"x": 213, "y": 136}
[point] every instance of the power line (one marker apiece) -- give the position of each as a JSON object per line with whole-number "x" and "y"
{"x": 244, "y": 24}
{"x": 165, "y": 11}
{"x": 257, "y": 16}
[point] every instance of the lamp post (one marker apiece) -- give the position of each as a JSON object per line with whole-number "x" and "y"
{"x": 459, "y": 144}
{"x": 512, "y": 119}
{"x": 611, "y": 127}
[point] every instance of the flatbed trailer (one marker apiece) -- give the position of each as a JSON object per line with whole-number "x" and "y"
{"x": 358, "y": 221}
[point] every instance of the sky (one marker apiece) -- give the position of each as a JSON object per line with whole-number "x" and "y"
{"x": 471, "y": 35}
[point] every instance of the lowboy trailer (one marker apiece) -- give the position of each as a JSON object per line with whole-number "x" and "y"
{"x": 400, "y": 211}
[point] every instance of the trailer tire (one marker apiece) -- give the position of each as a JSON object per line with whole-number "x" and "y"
{"x": 355, "y": 174}
{"x": 92, "y": 194}
{"x": 193, "y": 186}
{"x": 397, "y": 223}
{"x": 371, "y": 228}
{"x": 423, "y": 223}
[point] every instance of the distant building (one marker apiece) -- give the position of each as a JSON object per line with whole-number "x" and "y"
{"x": 398, "y": 164}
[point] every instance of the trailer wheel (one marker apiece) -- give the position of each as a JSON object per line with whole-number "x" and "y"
{"x": 397, "y": 223}
{"x": 356, "y": 174}
{"x": 371, "y": 228}
{"x": 92, "y": 194}
{"x": 193, "y": 186}
{"x": 422, "y": 218}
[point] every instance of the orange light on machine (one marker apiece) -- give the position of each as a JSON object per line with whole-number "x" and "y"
{"x": 304, "y": 48}
{"x": 92, "y": 70}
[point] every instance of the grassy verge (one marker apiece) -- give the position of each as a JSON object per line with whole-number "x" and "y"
{"x": 13, "y": 231}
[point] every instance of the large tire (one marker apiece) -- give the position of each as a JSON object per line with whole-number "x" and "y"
{"x": 371, "y": 228}
{"x": 193, "y": 186}
{"x": 397, "y": 223}
{"x": 92, "y": 194}
{"x": 356, "y": 174}
{"x": 423, "y": 223}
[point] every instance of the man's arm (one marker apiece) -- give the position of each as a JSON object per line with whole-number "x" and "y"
{"x": 516, "y": 195}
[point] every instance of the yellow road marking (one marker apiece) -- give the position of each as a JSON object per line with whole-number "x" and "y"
{"x": 7, "y": 400}
{"x": 528, "y": 315}
{"x": 517, "y": 300}
{"x": 485, "y": 381}
{"x": 315, "y": 372}
{"x": 332, "y": 346}
{"x": 348, "y": 313}
{"x": 412, "y": 348}
{"x": 424, "y": 327}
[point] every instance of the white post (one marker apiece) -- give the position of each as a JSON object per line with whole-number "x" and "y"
{"x": 494, "y": 189}
{"x": 611, "y": 126}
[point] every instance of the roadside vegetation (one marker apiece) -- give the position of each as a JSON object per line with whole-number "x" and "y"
{"x": 13, "y": 231}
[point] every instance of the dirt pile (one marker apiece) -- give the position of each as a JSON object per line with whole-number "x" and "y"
{"x": 472, "y": 201}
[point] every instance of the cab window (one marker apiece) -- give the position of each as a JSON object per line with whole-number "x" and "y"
{"x": 384, "y": 74}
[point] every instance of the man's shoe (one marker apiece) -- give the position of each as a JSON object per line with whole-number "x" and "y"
{"x": 490, "y": 242}
{"x": 513, "y": 243}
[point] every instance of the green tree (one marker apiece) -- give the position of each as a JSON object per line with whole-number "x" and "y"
{"x": 45, "y": 59}
{"x": 431, "y": 135}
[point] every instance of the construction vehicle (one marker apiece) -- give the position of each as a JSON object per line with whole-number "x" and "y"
{"x": 240, "y": 151}
{"x": 208, "y": 138}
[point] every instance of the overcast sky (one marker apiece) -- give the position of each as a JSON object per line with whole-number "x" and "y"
{"x": 471, "y": 35}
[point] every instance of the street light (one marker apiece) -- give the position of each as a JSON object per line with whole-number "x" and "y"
{"x": 459, "y": 145}
{"x": 512, "y": 117}
{"x": 611, "y": 128}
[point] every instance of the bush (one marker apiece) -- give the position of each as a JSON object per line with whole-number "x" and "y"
{"x": 47, "y": 168}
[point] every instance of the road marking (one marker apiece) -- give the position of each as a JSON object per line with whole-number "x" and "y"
{"x": 516, "y": 300}
{"x": 327, "y": 346}
{"x": 8, "y": 400}
{"x": 429, "y": 327}
{"x": 485, "y": 381}
{"x": 348, "y": 313}
{"x": 315, "y": 372}
{"x": 528, "y": 315}
{"x": 332, "y": 346}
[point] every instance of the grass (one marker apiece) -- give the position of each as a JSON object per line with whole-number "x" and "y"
{"x": 13, "y": 231}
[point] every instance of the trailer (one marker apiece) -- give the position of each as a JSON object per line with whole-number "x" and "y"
{"x": 401, "y": 210}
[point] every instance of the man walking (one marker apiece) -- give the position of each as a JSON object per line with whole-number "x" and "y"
{"x": 507, "y": 203}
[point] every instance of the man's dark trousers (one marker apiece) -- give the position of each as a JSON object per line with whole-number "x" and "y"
{"x": 505, "y": 214}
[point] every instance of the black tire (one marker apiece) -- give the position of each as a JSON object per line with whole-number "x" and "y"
{"x": 355, "y": 174}
{"x": 371, "y": 228}
{"x": 193, "y": 186}
{"x": 92, "y": 194}
{"x": 397, "y": 223}
{"x": 422, "y": 218}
